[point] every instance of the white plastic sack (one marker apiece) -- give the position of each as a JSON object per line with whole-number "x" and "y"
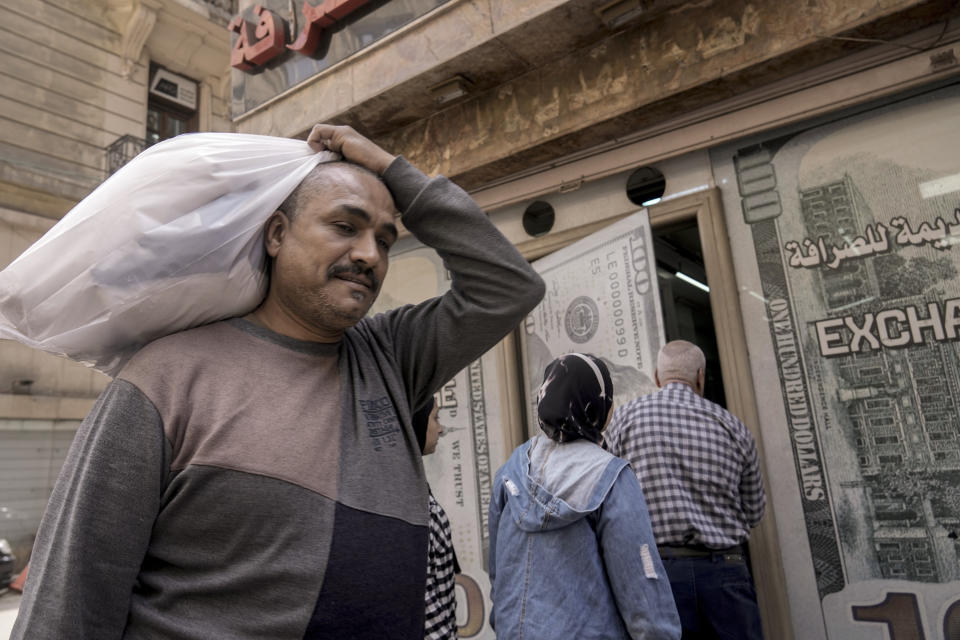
{"x": 172, "y": 240}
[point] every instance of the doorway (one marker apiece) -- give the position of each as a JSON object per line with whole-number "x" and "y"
{"x": 685, "y": 297}
{"x": 689, "y": 237}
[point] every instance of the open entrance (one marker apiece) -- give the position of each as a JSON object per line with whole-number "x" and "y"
{"x": 690, "y": 242}
{"x": 685, "y": 297}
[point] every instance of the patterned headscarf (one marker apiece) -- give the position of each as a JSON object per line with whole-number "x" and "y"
{"x": 575, "y": 398}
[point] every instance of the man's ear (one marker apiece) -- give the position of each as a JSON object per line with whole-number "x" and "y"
{"x": 275, "y": 231}
{"x": 656, "y": 377}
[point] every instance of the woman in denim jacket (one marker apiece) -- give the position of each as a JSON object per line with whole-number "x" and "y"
{"x": 572, "y": 554}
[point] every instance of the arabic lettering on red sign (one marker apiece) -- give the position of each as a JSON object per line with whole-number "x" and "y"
{"x": 257, "y": 45}
{"x": 320, "y": 17}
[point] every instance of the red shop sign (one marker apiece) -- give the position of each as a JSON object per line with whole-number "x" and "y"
{"x": 257, "y": 44}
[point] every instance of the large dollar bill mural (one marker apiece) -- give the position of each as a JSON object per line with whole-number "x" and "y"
{"x": 473, "y": 444}
{"x": 602, "y": 299}
{"x": 845, "y": 239}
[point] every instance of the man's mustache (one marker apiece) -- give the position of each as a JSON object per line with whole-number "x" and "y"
{"x": 356, "y": 270}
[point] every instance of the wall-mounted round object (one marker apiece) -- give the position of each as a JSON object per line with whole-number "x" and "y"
{"x": 646, "y": 186}
{"x": 538, "y": 218}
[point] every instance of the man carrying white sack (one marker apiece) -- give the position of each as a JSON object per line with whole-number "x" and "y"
{"x": 259, "y": 477}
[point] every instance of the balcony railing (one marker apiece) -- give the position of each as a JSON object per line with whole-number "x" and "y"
{"x": 122, "y": 150}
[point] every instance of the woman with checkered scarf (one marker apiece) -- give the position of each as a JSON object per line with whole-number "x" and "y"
{"x": 441, "y": 603}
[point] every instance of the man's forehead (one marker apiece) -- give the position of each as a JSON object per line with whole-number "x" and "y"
{"x": 344, "y": 179}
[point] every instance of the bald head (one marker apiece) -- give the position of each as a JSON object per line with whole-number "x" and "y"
{"x": 317, "y": 183}
{"x": 681, "y": 361}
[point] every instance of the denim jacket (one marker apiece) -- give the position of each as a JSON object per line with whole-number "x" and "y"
{"x": 572, "y": 554}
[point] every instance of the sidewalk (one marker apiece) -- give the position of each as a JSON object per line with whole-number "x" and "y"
{"x": 9, "y": 604}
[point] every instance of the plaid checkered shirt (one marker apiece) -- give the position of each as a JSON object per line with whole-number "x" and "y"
{"x": 697, "y": 464}
{"x": 441, "y": 616}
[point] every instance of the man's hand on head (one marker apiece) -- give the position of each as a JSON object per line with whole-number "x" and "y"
{"x": 351, "y": 145}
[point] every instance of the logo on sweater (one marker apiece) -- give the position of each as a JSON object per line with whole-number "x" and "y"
{"x": 382, "y": 424}
{"x": 582, "y": 319}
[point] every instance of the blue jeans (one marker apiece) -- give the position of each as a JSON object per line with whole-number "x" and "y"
{"x": 714, "y": 596}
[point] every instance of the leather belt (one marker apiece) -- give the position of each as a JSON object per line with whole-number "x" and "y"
{"x": 730, "y": 553}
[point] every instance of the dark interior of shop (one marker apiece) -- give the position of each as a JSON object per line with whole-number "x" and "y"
{"x": 685, "y": 297}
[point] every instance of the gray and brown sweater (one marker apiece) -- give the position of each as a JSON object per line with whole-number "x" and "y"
{"x": 235, "y": 483}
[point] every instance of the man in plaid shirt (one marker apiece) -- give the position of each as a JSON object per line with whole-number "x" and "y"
{"x": 698, "y": 467}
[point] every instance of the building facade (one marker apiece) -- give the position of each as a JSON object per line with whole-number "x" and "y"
{"x": 546, "y": 111}
{"x": 85, "y": 86}
{"x": 792, "y": 160}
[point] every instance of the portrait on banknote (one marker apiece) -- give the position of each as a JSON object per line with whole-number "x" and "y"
{"x": 845, "y": 237}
